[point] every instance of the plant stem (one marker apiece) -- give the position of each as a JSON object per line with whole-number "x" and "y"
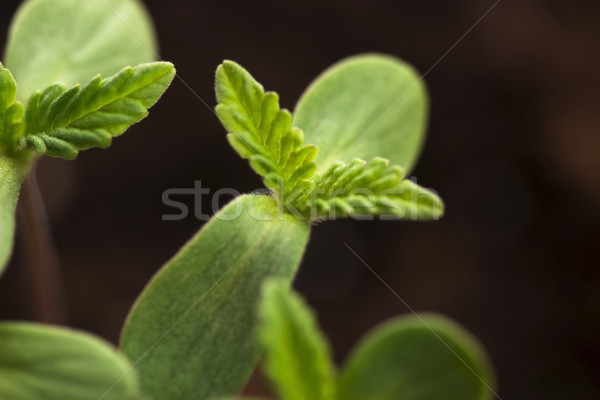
{"x": 42, "y": 272}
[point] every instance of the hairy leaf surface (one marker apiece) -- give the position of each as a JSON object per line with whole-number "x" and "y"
{"x": 60, "y": 122}
{"x": 410, "y": 358}
{"x": 364, "y": 189}
{"x": 261, "y": 132}
{"x": 297, "y": 356}
{"x": 44, "y": 362}
{"x": 190, "y": 334}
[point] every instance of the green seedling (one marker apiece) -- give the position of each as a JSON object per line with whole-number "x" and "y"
{"x": 190, "y": 333}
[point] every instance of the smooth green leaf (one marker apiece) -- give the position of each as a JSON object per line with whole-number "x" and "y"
{"x": 365, "y": 106}
{"x": 261, "y": 132}
{"x": 297, "y": 356}
{"x": 69, "y": 41}
{"x": 11, "y": 112}
{"x": 190, "y": 334}
{"x": 410, "y": 359}
{"x": 364, "y": 189}
{"x": 50, "y": 363}
{"x": 60, "y": 122}
{"x": 12, "y": 172}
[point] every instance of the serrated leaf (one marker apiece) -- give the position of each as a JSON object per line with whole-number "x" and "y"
{"x": 12, "y": 172}
{"x": 297, "y": 356}
{"x": 368, "y": 189}
{"x": 365, "y": 106}
{"x": 50, "y": 363}
{"x": 69, "y": 41}
{"x": 11, "y": 112}
{"x": 411, "y": 358}
{"x": 262, "y": 132}
{"x": 191, "y": 332}
{"x": 60, "y": 122}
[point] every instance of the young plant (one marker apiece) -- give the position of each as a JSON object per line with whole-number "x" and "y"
{"x": 55, "y": 101}
{"x": 421, "y": 357}
{"x": 190, "y": 334}
{"x": 53, "y": 97}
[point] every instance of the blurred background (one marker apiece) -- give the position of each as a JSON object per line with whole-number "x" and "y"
{"x": 513, "y": 148}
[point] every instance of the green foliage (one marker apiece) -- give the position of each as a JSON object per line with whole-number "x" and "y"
{"x": 190, "y": 334}
{"x": 428, "y": 357}
{"x": 365, "y": 106}
{"x": 43, "y": 362}
{"x": 55, "y": 44}
{"x": 11, "y": 112}
{"x": 261, "y": 132}
{"x": 70, "y": 41}
{"x": 60, "y": 122}
{"x": 297, "y": 357}
{"x": 365, "y": 189}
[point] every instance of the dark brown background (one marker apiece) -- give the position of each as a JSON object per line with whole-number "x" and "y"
{"x": 513, "y": 148}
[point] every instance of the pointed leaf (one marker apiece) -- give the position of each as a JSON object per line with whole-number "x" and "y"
{"x": 368, "y": 189}
{"x": 365, "y": 106}
{"x": 297, "y": 356}
{"x": 260, "y": 131}
{"x": 69, "y": 41}
{"x": 409, "y": 359}
{"x": 60, "y": 122}
{"x": 44, "y": 362}
{"x": 191, "y": 332}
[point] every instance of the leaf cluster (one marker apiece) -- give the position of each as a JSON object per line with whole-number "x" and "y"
{"x": 264, "y": 134}
{"x": 200, "y": 325}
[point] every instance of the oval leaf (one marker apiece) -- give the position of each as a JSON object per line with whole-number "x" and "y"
{"x": 411, "y": 360}
{"x": 12, "y": 172}
{"x": 190, "y": 333}
{"x": 364, "y": 107}
{"x": 69, "y": 41}
{"x": 43, "y": 362}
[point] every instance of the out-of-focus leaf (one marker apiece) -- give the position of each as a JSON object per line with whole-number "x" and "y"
{"x": 297, "y": 356}
{"x": 409, "y": 359}
{"x": 12, "y": 172}
{"x": 11, "y": 112}
{"x": 49, "y": 363}
{"x": 69, "y": 41}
